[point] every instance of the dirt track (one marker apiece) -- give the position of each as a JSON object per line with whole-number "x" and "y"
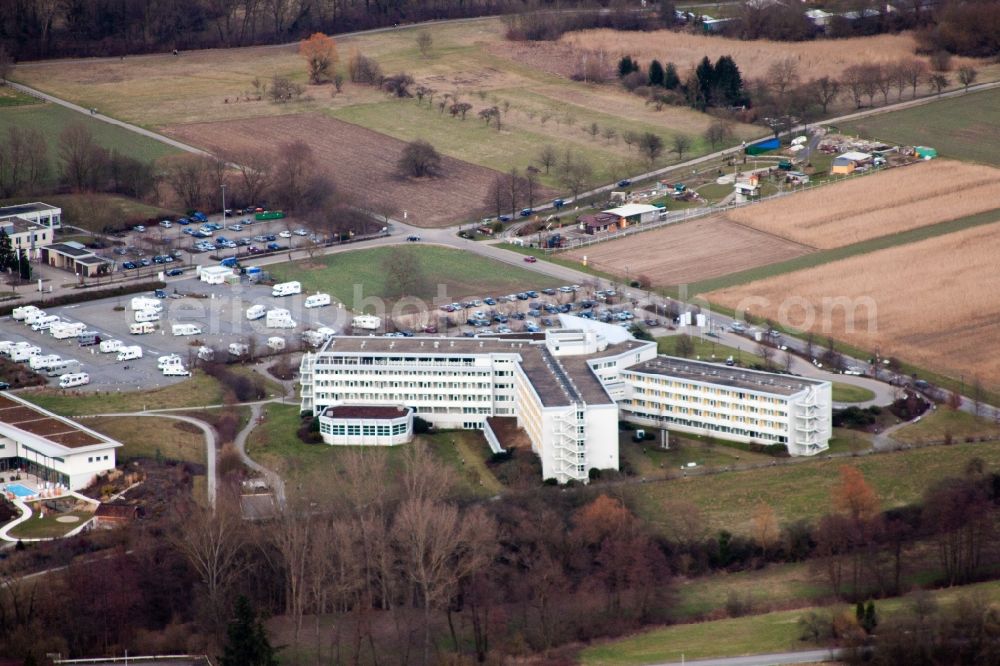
{"x": 361, "y": 162}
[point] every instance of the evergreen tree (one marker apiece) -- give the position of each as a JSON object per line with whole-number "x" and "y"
{"x": 246, "y": 642}
{"x": 626, "y": 66}
{"x": 706, "y": 80}
{"x": 871, "y": 619}
{"x": 23, "y": 267}
{"x": 728, "y": 81}
{"x": 671, "y": 81}
{"x": 656, "y": 73}
{"x": 7, "y": 258}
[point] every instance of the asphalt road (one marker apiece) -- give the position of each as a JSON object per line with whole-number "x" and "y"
{"x": 775, "y": 659}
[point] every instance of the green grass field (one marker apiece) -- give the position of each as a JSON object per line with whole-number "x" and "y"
{"x": 47, "y": 527}
{"x": 801, "y": 490}
{"x": 199, "y": 390}
{"x": 275, "y": 445}
{"x": 936, "y": 426}
{"x": 163, "y": 438}
{"x": 848, "y": 393}
{"x": 11, "y": 97}
{"x": 447, "y": 274}
{"x": 708, "y": 349}
{"x": 52, "y": 119}
{"x": 962, "y": 128}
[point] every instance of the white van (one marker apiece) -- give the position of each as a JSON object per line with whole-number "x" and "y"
{"x": 146, "y": 303}
{"x": 368, "y": 322}
{"x": 146, "y": 315}
{"x": 206, "y": 353}
{"x": 130, "y": 353}
{"x": 280, "y": 318}
{"x": 142, "y": 328}
{"x": 170, "y": 359}
{"x": 176, "y": 370}
{"x": 22, "y": 354}
{"x": 286, "y": 289}
{"x": 74, "y": 379}
{"x": 6, "y": 346}
{"x": 317, "y": 300}
{"x": 108, "y": 346}
{"x": 256, "y": 312}
{"x": 43, "y": 323}
{"x": 239, "y": 349}
{"x": 40, "y": 362}
{"x": 186, "y": 329}
{"x": 63, "y": 367}
{"x": 33, "y": 316}
{"x": 64, "y": 329}
{"x": 21, "y": 312}
{"x": 276, "y": 344}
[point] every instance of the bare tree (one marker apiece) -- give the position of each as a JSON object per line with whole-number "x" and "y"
{"x": 83, "y": 161}
{"x": 824, "y": 90}
{"x": 547, "y": 157}
{"x": 255, "y": 166}
{"x": 6, "y": 64}
{"x": 967, "y": 76}
{"x": 938, "y": 82}
{"x": 681, "y": 144}
{"x": 916, "y": 72}
{"x": 782, "y": 76}
{"x": 575, "y": 174}
{"x": 651, "y": 146}
{"x": 419, "y": 160}
{"x": 853, "y": 77}
{"x": 188, "y": 175}
{"x": 425, "y": 42}
{"x": 593, "y": 129}
{"x": 609, "y": 134}
{"x": 718, "y": 133}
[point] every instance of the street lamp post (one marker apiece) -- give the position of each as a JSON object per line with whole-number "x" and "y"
{"x": 223, "y": 204}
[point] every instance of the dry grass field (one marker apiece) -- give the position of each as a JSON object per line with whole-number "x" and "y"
{"x": 815, "y": 58}
{"x": 688, "y": 252}
{"x": 934, "y": 303}
{"x": 359, "y": 160}
{"x": 878, "y": 205}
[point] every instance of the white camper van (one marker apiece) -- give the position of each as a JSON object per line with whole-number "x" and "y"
{"x": 176, "y": 370}
{"x": 169, "y": 359}
{"x": 21, "y": 312}
{"x": 74, "y": 379}
{"x": 140, "y": 303}
{"x": 367, "y": 322}
{"x": 286, "y": 289}
{"x": 146, "y": 315}
{"x": 141, "y": 328}
{"x": 33, "y": 316}
{"x": 44, "y": 323}
{"x": 186, "y": 329}
{"x": 239, "y": 349}
{"x": 206, "y": 353}
{"x": 7, "y": 347}
{"x": 276, "y": 343}
{"x": 40, "y": 362}
{"x": 108, "y": 346}
{"x": 256, "y": 312}
{"x": 61, "y": 330}
{"x": 317, "y": 300}
{"x": 66, "y": 366}
{"x": 279, "y": 318}
{"x": 130, "y": 353}
{"x": 22, "y": 354}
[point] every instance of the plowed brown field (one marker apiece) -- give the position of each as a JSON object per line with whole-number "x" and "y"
{"x": 689, "y": 252}
{"x": 361, "y": 162}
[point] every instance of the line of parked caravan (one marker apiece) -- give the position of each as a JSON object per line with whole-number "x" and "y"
{"x": 67, "y": 370}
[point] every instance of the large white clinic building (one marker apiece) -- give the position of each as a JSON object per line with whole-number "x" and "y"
{"x": 567, "y": 389}
{"x": 50, "y": 448}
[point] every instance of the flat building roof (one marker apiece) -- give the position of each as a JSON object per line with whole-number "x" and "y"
{"x": 379, "y": 412}
{"x": 722, "y": 375}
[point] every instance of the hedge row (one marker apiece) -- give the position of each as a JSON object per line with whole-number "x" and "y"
{"x": 79, "y": 296}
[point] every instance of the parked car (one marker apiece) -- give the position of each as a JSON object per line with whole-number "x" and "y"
{"x": 624, "y": 182}
{"x": 166, "y": 224}
{"x": 139, "y": 228}
{"x": 174, "y": 272}
{"x": 413, "y": 239}
{"x": 285, "y": 234}
{"x": 183, "y": 221}
{"x": 526, "y": 212}
{"x": 273, "y": 246}
{"x": 300, "y": 232}
{"x": 235, "y": 227}
{"x": 530, "y": 260}
{"x": 128, "y": 265}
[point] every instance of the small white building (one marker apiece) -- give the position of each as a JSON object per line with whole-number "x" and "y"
{"x": 35, "y": 213}
{"x": 366, "y": 425}
{"x": 634, "y": 213}
{"x": 51, "y": 448}
{"x": 214, "y": 274}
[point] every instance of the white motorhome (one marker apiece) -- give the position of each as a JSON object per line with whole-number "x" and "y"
{"x": 275, "y": 343}
{"x": 317, "y": 300}
{"x": 319, "y": 336}
{"x": 256, "y": 312}
{"x": 43, "y": 323}
{"x": 169, "y": 359}
{"x": 141, "y": 328}
{"x": 206, "y": 353}
{"x": 176, "y": 370}
{"x": 130, "y": 353}
{"x": 74, "y": 379}
{"x": 63, "y": 367}
{"x": 239, "y": 349}
{"x": 140, "y": 303}
{"x": 33, "y": 316}
{"x": 64, "y": 329}
{"x": 6, "y": 346}
{"x": 146, "y": 315}
{"x": 186, "y": 329}
{"x": 40, "y": 362}
{"x": 108, "y": 346}
{"x": 367, "y": 322}
{"x": 21, "y": 312}
{"x": 279, "y": 318}
{"x": 21, "y": 354}
{"x": 286, "y": 289}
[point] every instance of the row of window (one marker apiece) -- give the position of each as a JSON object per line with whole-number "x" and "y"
{"x": 355, "y": 430}
{"x": 362, "y": 383}
{"x": 704, "y": 414}
{"x": 91, "y": 459}
{"x": 683, "y": 397}
{"x": 710, "y": 390}
{"x": 396, "y": 398}
{"x": 743, "y": 432}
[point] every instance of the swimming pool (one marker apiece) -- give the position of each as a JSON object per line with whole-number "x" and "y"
{"x": 19, "y": 490}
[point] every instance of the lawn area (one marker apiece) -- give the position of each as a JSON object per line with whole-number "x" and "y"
{"x": 962, "y": 128}
{"x": 52, "y": 119}
{"x": 446, "y": 273}
{"x": 940, "y": 423}
{"x": 754, "y": 634}
{"x": 11, "y": 97}
{"x": 95, "y": 211}
{"x": 276, "y": 446}
{"x": 648, "y": 459}
{"x": 850, "y": 393}
{"x": 163, "y": 438}
{"x": 47, "y": 527}
{"x": 199, "y": 390}
{"x": 708, "y": 349}
{"x": 801, "y": 490}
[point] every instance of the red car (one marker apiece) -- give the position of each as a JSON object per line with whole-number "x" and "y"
{"x": 430, "y": 329}
{"x": 531, "y": 260}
